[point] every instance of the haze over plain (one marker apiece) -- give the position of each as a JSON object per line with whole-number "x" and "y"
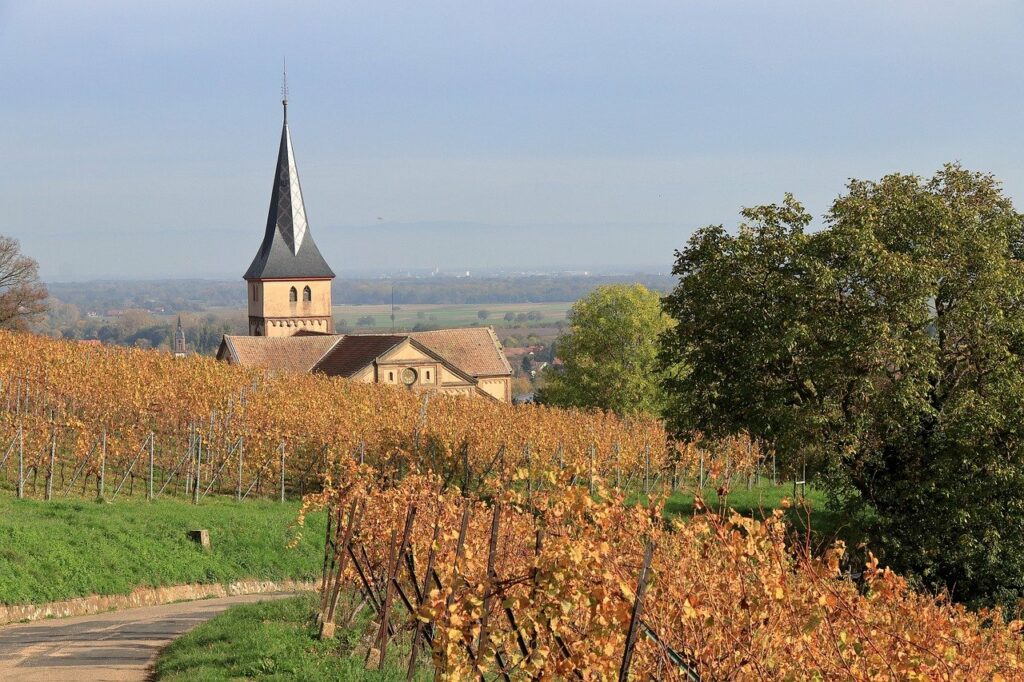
{"x": 139, "y": 138}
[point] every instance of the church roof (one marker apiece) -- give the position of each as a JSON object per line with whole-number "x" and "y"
{"x": 288, "y": 250}
{"x": 288, "y": 353}
{"x": 471, "y": 352}
{"x": 474, "y": 350}
{"x": 354, "y": 352}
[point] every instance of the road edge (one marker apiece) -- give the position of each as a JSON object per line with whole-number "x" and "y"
{"x": 145, "y": 596}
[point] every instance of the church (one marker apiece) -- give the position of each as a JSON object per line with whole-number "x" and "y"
{"x": 291, "y": 326}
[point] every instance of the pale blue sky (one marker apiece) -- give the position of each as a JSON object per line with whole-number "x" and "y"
{"x": 139, "y": 137}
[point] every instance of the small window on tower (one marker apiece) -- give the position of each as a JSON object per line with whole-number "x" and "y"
{"x": 391, "y": 376}
{"x": 307, "y": 294}
{"x": 254, "y": 292}
{"x": 428, "y": 375}
{"x": 293, "y": 295}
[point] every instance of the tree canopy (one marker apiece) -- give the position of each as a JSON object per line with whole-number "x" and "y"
{"x": 886, "y": 351}
{"x": 22, "y": 294}
{"x": 610, "y": 352}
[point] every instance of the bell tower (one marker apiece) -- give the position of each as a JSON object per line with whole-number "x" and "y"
{"x": 289, "y": 282}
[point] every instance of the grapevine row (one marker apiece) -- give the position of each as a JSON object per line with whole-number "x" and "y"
{"x": 547, "y": 588}
{"x": 92, "y": 409}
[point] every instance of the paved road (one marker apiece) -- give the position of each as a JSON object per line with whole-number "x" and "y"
{"x": 115, "y": 646}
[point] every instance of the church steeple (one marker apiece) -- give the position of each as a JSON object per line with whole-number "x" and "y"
{"x": 179, "y": 341}
{"x": 289, "y": 282}
{"x": 288, "y": 250}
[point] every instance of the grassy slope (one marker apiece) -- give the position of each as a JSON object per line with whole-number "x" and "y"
{"x": 57, "y": 550}
{"x": 826, "y": 525}
{"x": 272, "y": 641}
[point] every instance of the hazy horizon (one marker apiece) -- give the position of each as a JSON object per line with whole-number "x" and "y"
{"x": 544, "y": 249}
{"x": 139, "y": 138}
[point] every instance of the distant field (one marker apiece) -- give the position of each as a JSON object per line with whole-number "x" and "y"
{"x": 429, "y": 315}
{"x": 462, "y": 315}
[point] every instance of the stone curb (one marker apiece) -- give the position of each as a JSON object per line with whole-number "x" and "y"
{"x": 145, "y": 596}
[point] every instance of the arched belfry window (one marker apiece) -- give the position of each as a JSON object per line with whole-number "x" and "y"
{"x": 293, "y": 295}
{"x": 307, "y": 294}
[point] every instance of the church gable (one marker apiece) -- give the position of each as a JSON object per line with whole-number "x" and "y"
{"x": 474, "y": 350}
{"x": 431, "y": 369}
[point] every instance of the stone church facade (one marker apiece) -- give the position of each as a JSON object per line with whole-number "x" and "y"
{"x": 291, "y": 327}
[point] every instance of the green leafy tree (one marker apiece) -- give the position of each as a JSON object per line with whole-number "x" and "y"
{"x": 611, "y": 352}
{"x": 887, "y": 351}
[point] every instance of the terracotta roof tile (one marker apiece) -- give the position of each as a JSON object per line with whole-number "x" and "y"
{"x": 474, "y": 350}
{"x": 355, "y": 352}
{"x": 289, "y": 353}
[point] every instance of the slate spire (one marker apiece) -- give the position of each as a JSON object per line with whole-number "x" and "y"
{"x": 179, "y": 340}
{"x": 288, "y": 250}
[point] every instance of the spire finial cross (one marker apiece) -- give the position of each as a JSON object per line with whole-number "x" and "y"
{"x": 284, "y": 89}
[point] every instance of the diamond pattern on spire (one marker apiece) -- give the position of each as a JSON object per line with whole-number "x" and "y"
{"x": 288, "y": 249}
{"x": 298, "y": 207}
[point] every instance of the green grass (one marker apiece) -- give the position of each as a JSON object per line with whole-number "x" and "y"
{"x": 810, "y": 512}
{"x": 274, "y": 640}
{"x": 57, "y": 550}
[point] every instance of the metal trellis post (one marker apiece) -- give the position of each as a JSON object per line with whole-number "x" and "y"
{"x": 282, "y": 472}
{"x": 149, "y": 489}
{"x": 21, "y": 462}
{"x": 238, "y": 493}
{"x": 199, "y": 464}
{"x": 103, "y": 464}
{"x": 49, "y": 471}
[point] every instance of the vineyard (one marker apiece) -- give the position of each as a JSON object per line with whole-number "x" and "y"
{"x": 495, "y": 540}
{"x": 570, "y": 583}
{"x": 105, "y": 422}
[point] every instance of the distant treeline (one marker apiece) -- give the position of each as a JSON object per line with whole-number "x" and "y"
{"x": 171, "y": 296}
{"x": 183, "y": 295}
{"x": 471, "y": 290}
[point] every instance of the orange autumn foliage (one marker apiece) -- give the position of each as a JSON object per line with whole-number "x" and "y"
{"x": 729, "y": 599}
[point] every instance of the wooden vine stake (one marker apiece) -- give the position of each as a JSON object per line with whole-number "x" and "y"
{"x": 327, "y": 624}
{"x": 392, "y": 579}
{"x": 491, "y": 579}
{"x": 421, "y": 597}
{"x": 638, "y": 608}
{"x": 330, "y": 550}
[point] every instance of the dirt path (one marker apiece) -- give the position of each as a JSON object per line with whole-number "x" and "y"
{"x": 113, "y": 646}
